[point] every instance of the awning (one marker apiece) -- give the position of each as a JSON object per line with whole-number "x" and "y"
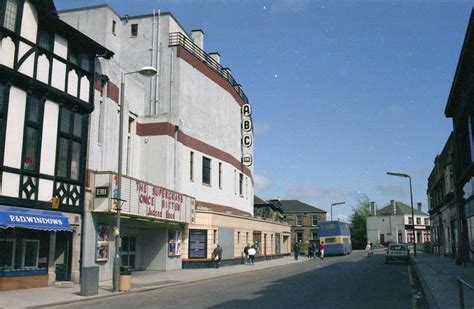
{"x": 35, "y": 219}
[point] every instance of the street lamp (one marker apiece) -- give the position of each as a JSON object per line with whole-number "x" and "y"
{"x": 334, "y": 204}
{"x": 146, "y": 71}
{"x": 411, "y": 200}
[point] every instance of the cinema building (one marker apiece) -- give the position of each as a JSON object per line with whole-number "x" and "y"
{"x": 46, "y": 96}
{"x": 188, "y": 143}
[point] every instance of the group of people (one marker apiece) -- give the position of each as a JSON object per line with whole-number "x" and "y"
{"x": 312, "y": 253}
{"x": 249, "y": 252}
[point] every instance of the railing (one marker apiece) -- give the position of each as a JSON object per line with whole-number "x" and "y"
{"x": 462, "y": 283}
{"x": 179, "y": 39}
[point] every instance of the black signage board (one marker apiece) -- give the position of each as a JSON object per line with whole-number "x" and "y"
{"x": 197, "y": 244}
{"x": 101, "y": 191}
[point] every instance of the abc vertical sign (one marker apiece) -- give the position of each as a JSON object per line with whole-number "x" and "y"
{"x": 246, "y": 133}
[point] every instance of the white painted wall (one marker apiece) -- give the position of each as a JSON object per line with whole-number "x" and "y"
{"x": 29, "y": 22}
{"x": 7, "y": 52}
{"x": 49, "y": 137}
{"x": 15, "y": 124}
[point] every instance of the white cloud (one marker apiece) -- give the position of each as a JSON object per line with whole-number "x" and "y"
{"x": 391, "y": 191}
{"x": 261, "y": 128}
{"x": 262, "y": 183}
{"x": 301, "y": 193}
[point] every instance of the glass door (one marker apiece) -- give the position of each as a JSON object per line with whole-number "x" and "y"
{"x": 129, "y": 245}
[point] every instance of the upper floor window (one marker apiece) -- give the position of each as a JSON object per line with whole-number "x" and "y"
{"x": 220, "y": 175}
{"x": 410, "y": 221}
{"x": 418, "y": 220}
{"x": 70, "y": 144}
{"x": 191, "y": 166}
{"x": 206, "y": 171}
{"x": 426, "y": 221}
{"x": 114, "y": 24}
{"x": 134, "y": 30}
{"x": 10, "y": 17}
{"x": 45, "y": 39}
{"x": 3, "y": 100}
{"x": 241, "y": 184}
{"x": 299, "y": 220}
{"x": 315, "y": 220}
{"x": 32, "y": 134}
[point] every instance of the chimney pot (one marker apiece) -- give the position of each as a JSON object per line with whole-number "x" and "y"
{"x": 418, "y": 206}
{"x": 197, "y": 36}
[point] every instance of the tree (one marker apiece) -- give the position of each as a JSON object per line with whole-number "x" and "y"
{"x": 359, "y": 222}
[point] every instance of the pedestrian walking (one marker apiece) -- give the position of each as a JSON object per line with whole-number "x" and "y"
{"x": 312, "y": 247}
{"x": 321, "y": 250}
{"x": 217, "y": 256}
{"x": 296, "y": 251}
{"x": 252, "y": 253}
{"x": 310, "y": 251}
{"x": 246, "y": 252}
{"x": 369, "y": 250}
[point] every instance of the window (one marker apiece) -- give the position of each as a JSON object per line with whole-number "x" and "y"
{"x": 299, "y": 237}
{"x": 131, "y": 125}
{"x": 418, "y": 220}
{"x": 114, "y": 23}
{"x": 191, "y": 166}
{"x": 3, "y": 113}
{"x": 11, "y": 9}
{"x": 9, "y": 256}
{"x": 426, "y": 221}
{"x": 32, "y": 134}
{"x": 70, "y": 144}
{"x": 238, "y": 237}
{"x": 206, "y": 171}
{"x": 299, "y": 220}
{"x": 330, "y": 240}
{"x": 247, "y": 237}
{"x": 410, "y": 221}
{"x": 241, "y": 184}
{"x": 315, "y": 220}
{"x": 134, "y": 30}
{"x": 45, "y": 39}
{"x": 235, "y": 182}
{"x": 220, "y": 175}
{"x": 315, "y": 234}
{"x": 85, "y": 62}
{"x": 30, "y": 253}
{"x": 214, "y": 237}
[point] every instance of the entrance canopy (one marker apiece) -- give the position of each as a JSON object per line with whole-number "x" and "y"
{"x": 35, "y": 219}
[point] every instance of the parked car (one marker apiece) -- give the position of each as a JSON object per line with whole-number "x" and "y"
{"x": 397, "y": 253}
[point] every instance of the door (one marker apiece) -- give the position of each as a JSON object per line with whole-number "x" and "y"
{"x": 129, "y": 247}
{"x": 63, "y": 256}
{"x": 265, "y": 244}
{"x": 382, "y": 239}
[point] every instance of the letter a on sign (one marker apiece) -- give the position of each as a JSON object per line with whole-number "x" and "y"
{"x": 246, "y": 110}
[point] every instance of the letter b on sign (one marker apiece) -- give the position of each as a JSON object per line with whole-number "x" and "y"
{"x": 247, "y": 125}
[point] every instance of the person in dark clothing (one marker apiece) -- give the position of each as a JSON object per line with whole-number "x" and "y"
{"x": 296, "y": 251}
{"x": 217, "y": 256}
{"x": 246, "y": 252}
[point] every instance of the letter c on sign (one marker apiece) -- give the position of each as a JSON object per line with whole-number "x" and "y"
{"x": 247, "y": 140}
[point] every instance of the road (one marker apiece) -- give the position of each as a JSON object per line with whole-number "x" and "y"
{"x": 353, "y": 281}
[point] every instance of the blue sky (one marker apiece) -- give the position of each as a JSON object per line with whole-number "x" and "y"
{"x": 342, "y": 91}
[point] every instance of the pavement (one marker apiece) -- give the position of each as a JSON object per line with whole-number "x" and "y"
{"x": 141, "y": 281}
{"x": 438, "y": 276}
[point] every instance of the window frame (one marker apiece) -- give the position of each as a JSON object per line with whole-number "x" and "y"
{"x": 312, "y": 220}
{"x": 13, "y": 254}
{"x": 23, "y": 253}
{"x": 35, "y": 125}
{"x": 297, "y": 220}
{"x": 133, "y": 30}
{"x": 241, "y": 184}
{"x": 191, "y": 165}
{"x": 298, "y": 239}
{"x": 206, "y": 171}
{"x": 220, "y": 175}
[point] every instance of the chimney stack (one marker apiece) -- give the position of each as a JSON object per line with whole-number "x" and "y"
{"x": 418, "y": 206}
{"x": 373, "y": 210}
{"x": 216, "y": 57}
{"x": 394, "y": 206}
{"x": 197, "y": 36}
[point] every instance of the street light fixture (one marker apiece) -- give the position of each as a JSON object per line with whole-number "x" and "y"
{"x": 334, "y": 204}
{"x": 146, "y": 71}
{"x": 411, "y": 200}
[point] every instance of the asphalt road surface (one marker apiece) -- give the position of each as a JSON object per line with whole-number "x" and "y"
{"x": 352, "y": 281}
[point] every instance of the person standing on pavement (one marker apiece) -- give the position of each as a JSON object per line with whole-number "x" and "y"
{"x": 246, "y": 252}
{"x": 217, "y": 256}
{"x": 313, "y": 250}
{"x": 321, "y": 250}
{"x": 296, "y": 251}
{"x": 252, "y": 253}
{"x": 368, "y": 248}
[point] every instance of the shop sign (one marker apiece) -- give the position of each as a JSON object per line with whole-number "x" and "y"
{"x": 145, "y": 199}
{"x": 101, "y": 192}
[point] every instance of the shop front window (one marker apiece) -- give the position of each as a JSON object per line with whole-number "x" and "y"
{"x": 30, "y": 253}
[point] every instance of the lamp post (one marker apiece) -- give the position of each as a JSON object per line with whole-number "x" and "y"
{"x": 334, "y": 204}
{"x": 411, "y": 200}
{"x": 146, "y": 71}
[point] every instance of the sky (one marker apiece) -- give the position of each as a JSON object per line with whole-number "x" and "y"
{"x": 341, "y": 91}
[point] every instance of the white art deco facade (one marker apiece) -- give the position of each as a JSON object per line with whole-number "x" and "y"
{"x": 46, "y": 83}
{"x": 189, "y": 128}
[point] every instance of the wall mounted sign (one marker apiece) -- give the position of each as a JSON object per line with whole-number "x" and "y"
{"x": 101, "y": 191}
